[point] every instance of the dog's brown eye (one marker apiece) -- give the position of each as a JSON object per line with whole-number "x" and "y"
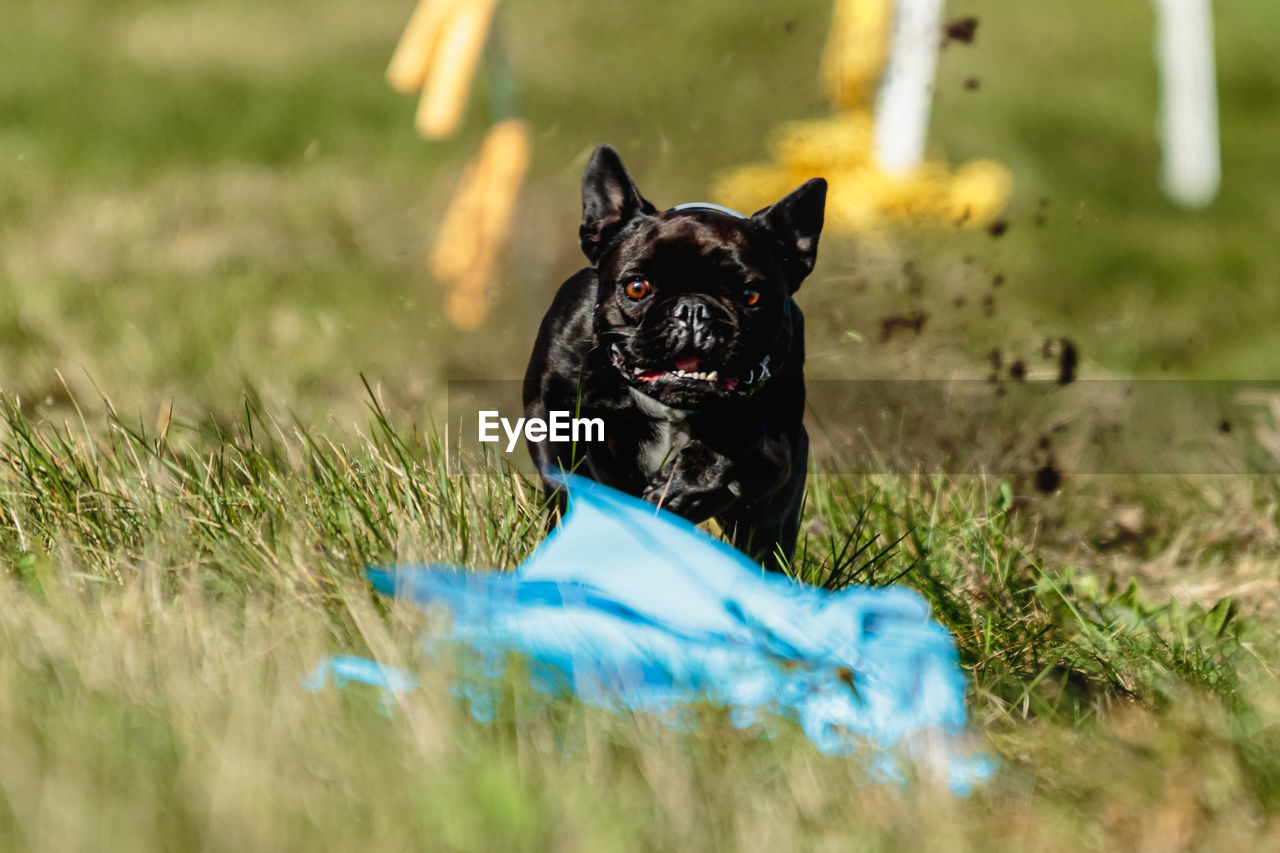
{"x": 751, "y": 297}
{"x": 637, "y": 289}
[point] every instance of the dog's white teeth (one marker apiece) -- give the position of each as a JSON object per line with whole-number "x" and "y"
{"x": 686, "y": 374}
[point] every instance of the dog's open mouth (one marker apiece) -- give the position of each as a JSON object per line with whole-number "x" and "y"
{"x": 692, "y": 372}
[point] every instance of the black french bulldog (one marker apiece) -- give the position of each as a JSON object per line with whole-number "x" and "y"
{"x": 683, "y": 337}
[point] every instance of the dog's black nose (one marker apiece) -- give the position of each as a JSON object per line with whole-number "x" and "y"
{"x": 692, "y": 312}
{"x": 691, "y": 324}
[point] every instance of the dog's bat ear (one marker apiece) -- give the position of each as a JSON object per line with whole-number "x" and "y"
{"x": 609, "y": 201}
{"x": 796, "y": 220}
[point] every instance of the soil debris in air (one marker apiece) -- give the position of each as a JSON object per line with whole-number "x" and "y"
{"x": 894, "y": 323}
{"x": 961, "y": 30}
{"x": 1068, "y": 360}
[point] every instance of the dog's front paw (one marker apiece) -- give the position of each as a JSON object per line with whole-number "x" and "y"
{"x": 694, "y": 485}
{"x": 657, "y": 492}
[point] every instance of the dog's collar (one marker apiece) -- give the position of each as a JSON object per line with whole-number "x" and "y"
{"x": 706, "y": 206}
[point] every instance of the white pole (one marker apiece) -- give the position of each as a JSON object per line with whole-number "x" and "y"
{"x": 902, "y": 108}
{"x": 1191, "y": 168}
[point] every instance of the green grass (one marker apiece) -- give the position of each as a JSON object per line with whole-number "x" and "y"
{"x": 167, "y": 590}
{"x": 202, "y": 198}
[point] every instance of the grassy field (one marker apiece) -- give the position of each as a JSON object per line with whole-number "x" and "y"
{"x": 167, "y": 591}
{"x": 214, "y": 221}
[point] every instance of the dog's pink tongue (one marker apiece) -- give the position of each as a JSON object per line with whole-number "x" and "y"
{"x": 688, "y": 365}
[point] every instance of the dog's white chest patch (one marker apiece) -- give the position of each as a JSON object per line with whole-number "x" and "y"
{"x": 671, "y": 433}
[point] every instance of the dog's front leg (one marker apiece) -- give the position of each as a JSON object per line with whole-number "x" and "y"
{"x": 697, "y": 484}
{"x": 766, "y": 522}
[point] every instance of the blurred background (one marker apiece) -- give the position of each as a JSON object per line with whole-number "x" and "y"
{"x": 206, "y": 196}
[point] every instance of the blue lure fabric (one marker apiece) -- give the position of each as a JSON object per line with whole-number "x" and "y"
{"x": 636, "y": 610}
